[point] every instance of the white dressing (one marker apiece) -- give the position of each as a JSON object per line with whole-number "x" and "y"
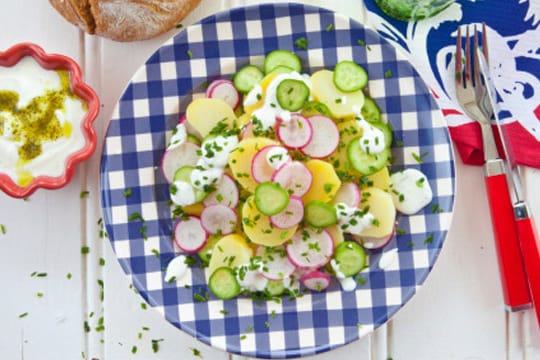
{"x": 410, "y": 190}
{"x": 182, "y": 193}
{"x": 178, "y": 137}
{"x": 347, "y": 282}
{"x": 388, "y": 258}
{"x": 177, "y": 270}
{"x": 352, "y": 219}
{"x": 277, "y": 156}
{"x": 372, "y": 139}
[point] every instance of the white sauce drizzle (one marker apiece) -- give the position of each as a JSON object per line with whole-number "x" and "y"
{"x": 410, "y": 190}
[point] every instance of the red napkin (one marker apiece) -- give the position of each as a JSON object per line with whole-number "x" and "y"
{"x": 468, "y": 142}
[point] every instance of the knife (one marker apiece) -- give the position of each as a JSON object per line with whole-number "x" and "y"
{"x": 527, "y": 234}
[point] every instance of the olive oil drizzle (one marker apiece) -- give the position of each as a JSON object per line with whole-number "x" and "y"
{"x": 36, "y": 123}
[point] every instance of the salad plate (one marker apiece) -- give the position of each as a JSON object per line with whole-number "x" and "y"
{"x": 135, "y": 194}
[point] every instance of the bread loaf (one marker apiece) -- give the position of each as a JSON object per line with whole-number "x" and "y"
{"x": 124, "y": 20}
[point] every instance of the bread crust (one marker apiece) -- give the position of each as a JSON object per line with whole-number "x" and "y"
{"x": 125, "y": 20}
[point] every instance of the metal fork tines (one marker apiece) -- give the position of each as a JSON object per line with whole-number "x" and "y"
{"x": 471, "y": 92}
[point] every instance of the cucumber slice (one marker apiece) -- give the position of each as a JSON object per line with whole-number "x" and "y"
{"x": 349, "y": 76}
{"x": 184, "y": 174}
{"x": 350, "y": 258}
{"x": 315, "y": 108}
{"x": 271, "y": 198}
{"x": 292, "y": 94}
{"x": 320, "y": 214}
{"x": 274, "y": 287}
{"x": 281, "y": 69}
{"x": 386, "y": 130}
{"x": 247, "y": 77}
{"x": 363, "y": 162}
{"x": 223, "y": 283}
{"x": 371, "y": 111}
{"x": 282, "y": 58}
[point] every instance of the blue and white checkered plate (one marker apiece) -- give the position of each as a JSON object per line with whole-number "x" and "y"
{"x": 137, "y": 136}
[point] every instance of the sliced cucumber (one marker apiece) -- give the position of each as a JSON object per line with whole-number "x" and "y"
{"x": 386, "y": 130}
{"x": 292, "y": 94}
{"x": 223, "y": 283}
{"x": 349, "y": 76}
{"x": 281, "y": 69}
{"x": 350, "y": 258}
{"x": 363, "y": 162}
{"x": 316, "y": 108}
{"x": 247, "y": 77}
{"x": 275, "y": 287}
{"x": 320, "y": 214}
{"x": 271, "y": 198}
{"x": 281, "y": 58}
{"x": 371, "y": 111}
{"x": 184, "y": 174}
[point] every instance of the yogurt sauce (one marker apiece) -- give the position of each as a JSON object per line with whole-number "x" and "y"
{"x": 410, "y": 190}
{"x": 270, "y": 110}
{"x": 177, "y": 271}
{"x": 28, "y": 152}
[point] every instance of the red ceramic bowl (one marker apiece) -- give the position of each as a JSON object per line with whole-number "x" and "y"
{"x": 12, "y": 56}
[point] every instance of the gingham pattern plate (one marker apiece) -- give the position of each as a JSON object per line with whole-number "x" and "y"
{"x": 140, "y": 225}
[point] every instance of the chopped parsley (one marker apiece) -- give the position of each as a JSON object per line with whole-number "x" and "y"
{"x": 85, "y": 250}
{"x": 84, "y": 194}
{"x": 419, "y": 158}
{"x": 3, "y": 229}
{"x": 388, "y": 74}
{"x": 23, "y": 315}
{"x": 155, "y": 345}
{"x": 330, "y": 27}
{"x": 301, "y": 43}
{"x": 127, "y": 192}
{"x": 189, "y": 53}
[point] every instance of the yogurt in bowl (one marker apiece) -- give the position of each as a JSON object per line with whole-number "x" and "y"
{"x": 46, "y": 116}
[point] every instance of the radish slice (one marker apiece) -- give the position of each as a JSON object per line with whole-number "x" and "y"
{"x": 325, "y": 139}
{"x": 294, "y": 177}
{"x": 175, "y": 158}
{"x": 276, "y": 264}
{"x": 226, "y": 193}
{"x": 290, "y": 216}
{"x": 182, "y": 119}
{"x": 295, "y": 133}
{"x": 310, "y": 248}
{"x": 219, "y": 219}
{"x": 374, "y": 243}
{"x": 348, "y": 194}
{"x": 189, "y": 235}
{"x": 316, "y": 280}
{"x": 266, "y": 161}
{"x": 224, "y": 89}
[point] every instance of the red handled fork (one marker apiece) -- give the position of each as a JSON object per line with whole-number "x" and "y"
{"x": 472, "y": 96}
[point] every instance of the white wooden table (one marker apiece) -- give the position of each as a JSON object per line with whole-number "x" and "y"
{"x": 59, "y": 302}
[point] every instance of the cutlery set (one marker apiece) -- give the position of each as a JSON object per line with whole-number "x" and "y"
{"x": 516, "y": 237}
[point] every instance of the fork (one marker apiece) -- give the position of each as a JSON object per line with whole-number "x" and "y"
{"x": 472, "y": 95}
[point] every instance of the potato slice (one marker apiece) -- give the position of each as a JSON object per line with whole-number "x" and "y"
{"x": 325, "y": 181}
{"x": 259, "y": 229}
{"x": 240, "y": 160}
{"x": 380, "y": 179}
{"x": 341, "y": 104}
{"x": 231, "y": 250}
{"x": 382, "y": 208}
{"x": 204, "y": 114}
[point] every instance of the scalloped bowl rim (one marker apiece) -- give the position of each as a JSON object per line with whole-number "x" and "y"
{"x": 11, "y": 57}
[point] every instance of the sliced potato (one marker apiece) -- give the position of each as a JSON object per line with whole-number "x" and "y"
{"x": 204, "y": 114}
{"x": 382, "y": 208}
{"x": 259, "y": 229}
{"x": 231, "y": 250}
{"x": 380, "y": 179}
{"x": 325, "y": 181}
{"x": 341, "y": 104}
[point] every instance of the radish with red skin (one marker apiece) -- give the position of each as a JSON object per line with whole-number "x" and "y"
{"x": 189, "y": 235}
{"x": 295, "y": 133}
{"x": 316, "y": 280}
{"x": 276, "y": 264}
{"x": 226, "y": 193}
{"x": 290, "y": 216}
{"x": 310, "y": 248}
{"x": 224, "y": 89}
{"x": 294, "y": 177}
{"x": 185, "y": 154}
{"x": 219, "y": 219}
{"x": 325, "y": 138}
{"x": 348, "y": 194}
{"x": 182, "y": 119}
{"x": 261, "y": 169}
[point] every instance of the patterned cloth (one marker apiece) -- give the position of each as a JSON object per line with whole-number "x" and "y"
{"x": 140, "y": 225}
{"x": 513, "y": 33}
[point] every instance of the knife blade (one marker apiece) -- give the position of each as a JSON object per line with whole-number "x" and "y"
{"x": 527, "y": 233}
